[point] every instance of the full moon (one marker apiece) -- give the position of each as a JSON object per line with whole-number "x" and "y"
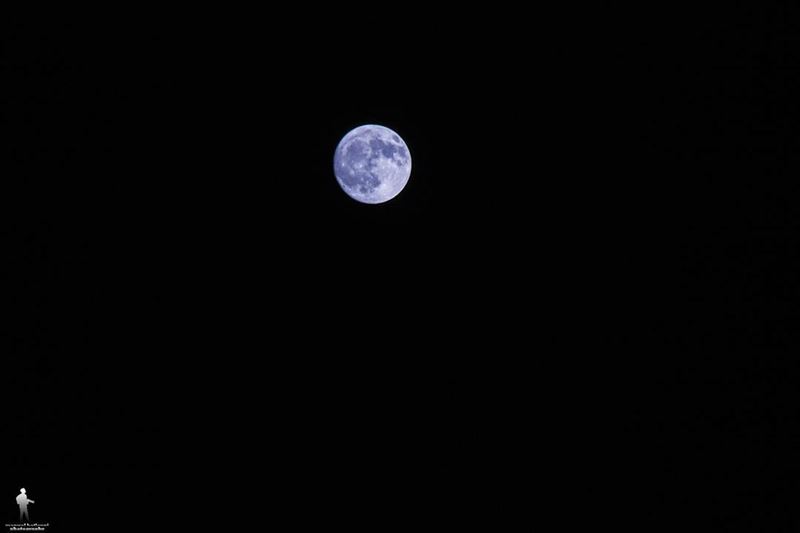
{"x": 372, "y": 164}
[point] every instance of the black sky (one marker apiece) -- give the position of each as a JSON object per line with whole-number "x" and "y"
{"x": 584, "y": 299}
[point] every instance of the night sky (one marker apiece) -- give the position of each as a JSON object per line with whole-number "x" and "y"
{"x": 581, "y": 305}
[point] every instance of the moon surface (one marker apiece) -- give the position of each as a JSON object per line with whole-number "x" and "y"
{"x": 372, "y": 164}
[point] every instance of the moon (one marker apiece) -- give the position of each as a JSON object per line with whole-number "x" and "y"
{"x": 372, "y": 164}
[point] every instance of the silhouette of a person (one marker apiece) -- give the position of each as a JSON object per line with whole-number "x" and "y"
{"x": 23, "y": 501}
